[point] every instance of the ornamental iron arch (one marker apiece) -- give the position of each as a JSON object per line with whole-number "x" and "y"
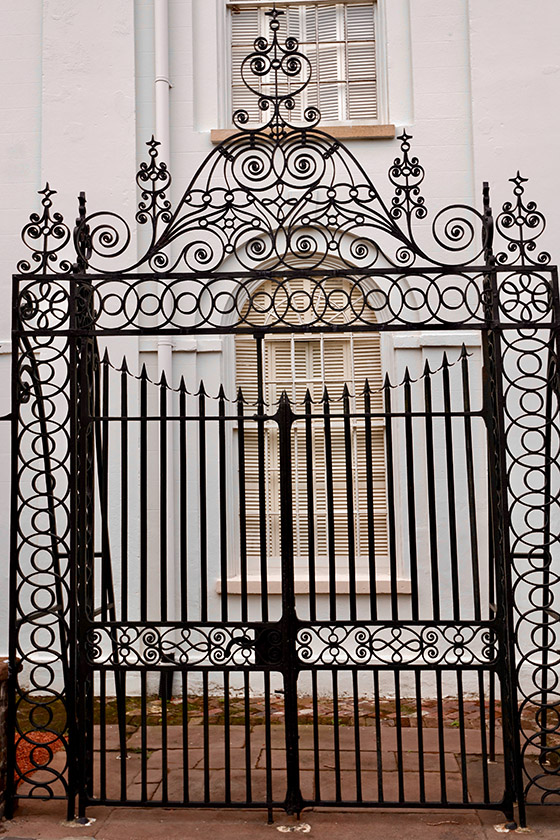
{"x": 272, "y": 203}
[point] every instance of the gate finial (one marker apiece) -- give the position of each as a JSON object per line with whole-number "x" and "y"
{"x": 45, "y": 235}
{"x": 521, "y": 224}
{"x": 285, "y": 71}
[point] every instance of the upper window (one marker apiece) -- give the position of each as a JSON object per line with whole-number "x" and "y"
{"x": 339, "y": 41}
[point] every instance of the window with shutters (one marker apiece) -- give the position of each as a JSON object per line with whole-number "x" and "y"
{"x": 339, "y": 40}
{"x": 296, "y": 364}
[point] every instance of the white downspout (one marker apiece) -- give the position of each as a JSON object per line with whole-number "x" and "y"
{"x": 162, "y": 86}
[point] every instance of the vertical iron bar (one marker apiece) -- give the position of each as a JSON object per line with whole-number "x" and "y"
{"x": 106, "y": 582}
{"x": 470, "y": 484}
{"x": 284, "y": 417}
{"x": 143, "y": 494}
{"x": 223, "y": 502}
{"x": 310, "y": 507}
{"x": 183, "y": 504}
{"x": 378, "y": 743}
{"x": 391, "y": 501}
{"x": 430, "y": 467}
{"x": 483, "y": 741}
{"x": 185, "y": 727}
{"x": 203, "y": 501}
{"x": 247, "y": 715}
{"x": 227, "y": 740}
{"x": 122, "y": 738}
{"x": 82, "y": 567}
{"x": 398, "y": 725}
{"x": 350, "y": 503}
{"x": 163, "y": 498}
{"x": 165, "y": 688}
{"x": 268, "y": 745}
{"x": 143, "y": 738}
{"x": 409, "y": 447}
{"x": 336, "y": 733}
{"x": 370, "y": 506}
{"x": 124, "y": 491}
{"x": 242, "y": 503}
{"x": 206, "y": 737}
{"x": 420, "y": 735}
{"x": 462, "y": 740}
{"x": 441, "y": 739}
{"x": 316, "y": 753}
{"x": 329, "y": 495}
{"x": 261, "y": 450}
{"x": 450, "y": 469}
{"x": 355, "y": 698}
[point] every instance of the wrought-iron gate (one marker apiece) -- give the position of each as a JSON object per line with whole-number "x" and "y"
{"x": 348, "y": 552}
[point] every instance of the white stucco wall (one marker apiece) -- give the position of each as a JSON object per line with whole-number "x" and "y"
{"x": 476, "y": 82}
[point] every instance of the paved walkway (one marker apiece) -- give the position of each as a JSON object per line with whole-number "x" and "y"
{"x": 46, "y": 821}
{"x": 36, "y": 819}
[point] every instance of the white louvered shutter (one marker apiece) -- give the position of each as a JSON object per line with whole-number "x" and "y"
{"x": 245, "y": 27}
{"x": 339, "y": 41}
{"x": 294, "y": 364}
{"x": 360, "y": 57}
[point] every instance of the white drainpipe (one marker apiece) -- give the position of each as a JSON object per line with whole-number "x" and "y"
{"x": 162, "y": 86}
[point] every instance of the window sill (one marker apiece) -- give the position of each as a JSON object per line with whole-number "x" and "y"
{"x": 322, "y": 585}
{"x": 339, "y": 132}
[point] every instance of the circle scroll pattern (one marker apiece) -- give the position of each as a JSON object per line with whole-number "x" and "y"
{"x": 42, "y": 577}
{"x": 531, "y": 394}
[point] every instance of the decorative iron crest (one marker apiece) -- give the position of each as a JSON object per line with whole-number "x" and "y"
{"x": 277, "y": 194}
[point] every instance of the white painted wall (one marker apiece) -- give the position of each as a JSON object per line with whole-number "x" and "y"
{"x": 477, "y": 83}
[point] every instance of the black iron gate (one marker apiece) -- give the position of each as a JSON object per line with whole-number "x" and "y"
{"x": 267, "y": 596}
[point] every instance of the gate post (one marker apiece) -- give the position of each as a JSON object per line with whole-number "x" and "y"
{"x": 290, "y": 667}
{"x": 82, "y": 379}
{"x": 499, "y": 523}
